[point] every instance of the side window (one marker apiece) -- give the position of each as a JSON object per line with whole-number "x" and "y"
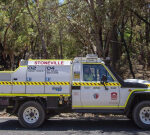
{"x": 89, "y": 72}
{"x": 94, "y": 72}
{"x": 103, "y": 71}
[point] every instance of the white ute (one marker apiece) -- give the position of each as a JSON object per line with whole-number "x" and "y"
{"x": 39, "y": 89}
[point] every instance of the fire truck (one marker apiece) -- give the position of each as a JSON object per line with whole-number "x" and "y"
{"x": 39, "y": 89}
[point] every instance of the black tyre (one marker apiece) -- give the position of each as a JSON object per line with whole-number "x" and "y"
{"x": 31, "y": 114}
{"x": 141, "y": 115}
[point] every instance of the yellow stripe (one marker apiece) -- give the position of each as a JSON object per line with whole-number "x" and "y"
{"x": 34, "y": 95}
{"x": 148, "y": 85}
{"x": 76, "y": 106}
{"x": 95, "y": 84}
{"x": 131, "y": 93}
{"x": 34, "y": 83}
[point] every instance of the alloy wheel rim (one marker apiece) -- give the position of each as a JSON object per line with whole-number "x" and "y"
{"x": 31, "y": 115}
{"x": 145, "y": 115}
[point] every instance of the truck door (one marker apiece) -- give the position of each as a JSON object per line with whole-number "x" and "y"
{"x": 93, "y": 93}
{"x": 19, "y": 76}
{"x": 35, "y": 74}
{"x": 58, "y": 73}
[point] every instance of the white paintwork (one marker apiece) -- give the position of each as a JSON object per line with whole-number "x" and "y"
{"x": 104, "y": 99}
{"x": 137, "y": 81}
{"x": 58, "y": 74}
{"x": 57, "y": 89}
{"x": 124, "y": 93}
{"x": 20, "y": 75}
{"x": 5, "y": 88}
{"x": 35, "y": 74}
{"x": 5, "y": 76}
{"x": 76, "y": 93}
{"x": 76, "y": 98}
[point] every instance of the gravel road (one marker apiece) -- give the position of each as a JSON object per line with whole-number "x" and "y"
{"x": 10, "y": 126}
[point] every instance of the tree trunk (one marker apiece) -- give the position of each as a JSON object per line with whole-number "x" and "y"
{"x": 147, "y": 27}
{"x": 115, "y": 46}
{"x": 41, "y": 33}
{"x": 126, "y": 49}
{"x": 39, "y": 27}
{"x": 60, "y": 43}
{"x": 97, "y": 27}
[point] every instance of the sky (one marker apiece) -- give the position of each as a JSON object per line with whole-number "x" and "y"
{"x": 61, "y": 1}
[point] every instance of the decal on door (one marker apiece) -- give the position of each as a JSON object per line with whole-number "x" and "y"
{"x": 86, "y": 87}
{"x": 31, "y": 68}
{"x": 52, "y": 70}
{"x": 114, "y": 96}
{"x": 76, "y": 75}
{"x": 96, "y": 87}
{"x": 57, "y": 88}
{"x": 113, "y": 87}
{"x": 96, "y": 96}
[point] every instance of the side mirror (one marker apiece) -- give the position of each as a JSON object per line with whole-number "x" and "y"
{"x": 104, "y": 79}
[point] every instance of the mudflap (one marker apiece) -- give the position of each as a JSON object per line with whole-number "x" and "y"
{"x": 4, "y": 102}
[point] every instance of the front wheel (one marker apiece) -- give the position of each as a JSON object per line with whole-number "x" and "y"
{"x": 31, "y": 114}
{"x": 141, "y": 114}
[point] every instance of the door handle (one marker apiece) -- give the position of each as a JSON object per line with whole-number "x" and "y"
{"x": 15, "y": 79}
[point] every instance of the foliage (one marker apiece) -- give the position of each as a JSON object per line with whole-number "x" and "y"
{"x": 119, "y": 29}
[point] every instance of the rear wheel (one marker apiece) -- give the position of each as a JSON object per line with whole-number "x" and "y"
{"x": 31, "y": 114}
{"x": 141, "y": 114}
